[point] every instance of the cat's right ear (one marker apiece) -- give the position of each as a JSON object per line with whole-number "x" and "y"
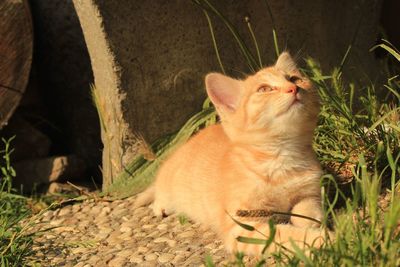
{"x": 223, "y": 91}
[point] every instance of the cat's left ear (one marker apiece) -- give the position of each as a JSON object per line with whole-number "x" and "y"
{"x": 224, "y": 91}
{"x": 286, "y": 63}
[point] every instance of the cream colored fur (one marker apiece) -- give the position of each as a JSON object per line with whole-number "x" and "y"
{"x": 259, "y": 157}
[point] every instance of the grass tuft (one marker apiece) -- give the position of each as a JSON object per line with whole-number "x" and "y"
{"x": 358, "y": 143}
{"x": 15, "y": 242}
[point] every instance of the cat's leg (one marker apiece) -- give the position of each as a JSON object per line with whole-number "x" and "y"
{"x": 302, "y": 237}
{"x": 161, "y": 205}
{"x": 309, "y": 207}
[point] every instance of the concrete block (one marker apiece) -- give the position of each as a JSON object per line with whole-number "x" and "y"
{"x": 149, "y": 57}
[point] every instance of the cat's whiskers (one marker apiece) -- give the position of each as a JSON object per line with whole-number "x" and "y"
{"x": 259, "y": 158}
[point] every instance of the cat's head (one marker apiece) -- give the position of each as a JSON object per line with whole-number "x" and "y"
{"x": 276, "y": 101}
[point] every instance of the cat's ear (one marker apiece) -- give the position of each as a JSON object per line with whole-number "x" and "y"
{"x": 286, "y": 63}
{"x": 223, "y": 91}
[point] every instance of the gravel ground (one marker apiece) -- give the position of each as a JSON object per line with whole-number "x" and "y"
{"x": 100, "y": 233}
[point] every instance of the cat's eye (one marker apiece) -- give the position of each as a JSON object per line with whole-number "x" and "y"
{"x": 265, "y": 89}
{"x": 295, "y": 79}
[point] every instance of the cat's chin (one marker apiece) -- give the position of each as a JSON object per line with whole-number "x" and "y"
{"x": 292, "y": 108}
{"x": 296, "y": 102}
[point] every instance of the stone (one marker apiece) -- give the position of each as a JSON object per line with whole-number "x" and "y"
{"x": 94, "y": 259}
{"x": 48, "y": 214}
{"x": 79, "y": 250}
{"x": 161, "y": 240}
{"x": 166, "y": 257}
{"x": 105, "y": 230}
{"x": 75, "y": 244}
{"x": 139, "y": 234}
{"x": 124, "y": 253}
{"x": 171, "y": 243}
{"x": 86, "y": 209}
{"x": 47, "y": 170}
{"x": 95, "y": 210}
{"x": 162, "y": 226}
{"x": 105, "y": 210}
{"x": 63, "y": 188}
{"x": 64, "y": 211}
{"x": 125, "y": 229}
{"x": 76, "y": 208}
{"x": 108, "y": 257}
{"x": 117, "y": 262}
{"x": 136, "y": 259}
{"x": 84, "y": 223}
{"x": 65, "y": 229}
{"x": 142, "y": 249}
{"x": 113, "y": 240}
{"x": 102, "y": 236}
{"x": 178, "y": 259}
{"x": 56, "y": 222}
{"x": 148, "y": 226}
{"x": 118, "y": 212}
{"x": 126, "y": 236}
{"x": 150, "y": 257}
{"x": 186, "y": 234}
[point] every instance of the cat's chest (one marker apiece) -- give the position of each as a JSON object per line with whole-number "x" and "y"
{"x": 282, "y": 195}
{"x": 272, "y": 198}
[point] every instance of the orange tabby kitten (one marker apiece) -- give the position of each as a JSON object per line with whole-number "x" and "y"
{"x": 258, "y": 158}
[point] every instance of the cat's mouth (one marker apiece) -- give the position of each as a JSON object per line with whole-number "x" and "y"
{"x": 297, "y": 100}
{"x": 295, "y": 103}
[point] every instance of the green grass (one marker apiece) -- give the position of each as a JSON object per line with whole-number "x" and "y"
{"x": 15, "y": 242}
{"x": 358, "y": 143}
{"x": 19, "y": 215}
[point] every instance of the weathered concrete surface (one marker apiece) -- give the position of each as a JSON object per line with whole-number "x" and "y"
{"x": 149, "y": 57}
{"x": 64, "y": 76}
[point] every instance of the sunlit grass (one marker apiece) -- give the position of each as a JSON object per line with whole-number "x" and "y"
{"x": 14, "y": 241}
{"x": 358, "y": 143}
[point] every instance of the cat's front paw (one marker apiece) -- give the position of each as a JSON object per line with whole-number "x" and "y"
{"x": 160, "y": 211}
{"x": 310, "y": 214}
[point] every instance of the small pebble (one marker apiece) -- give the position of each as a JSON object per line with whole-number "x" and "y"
{"x": 103, "y": 234}
{"x": 124, "y": 253}
{"x": 186, "y": 234}
{"x": 136, "y": 259}
{"x": 142, "y": 249}
{"x": 64, "y": 211}
{"x": 150, "y": 257}
{"x": 117, "y": 262}
{"x": 125, "y": 229}
{"x": 56, "y": 222}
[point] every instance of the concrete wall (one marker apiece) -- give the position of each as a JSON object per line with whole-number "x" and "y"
{"x": 149, "y": 57}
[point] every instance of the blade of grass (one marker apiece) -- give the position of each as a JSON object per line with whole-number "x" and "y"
{"x": 253, "y": 36}
{"x": 252, "y": 63}
{"x": 210, "y": 26}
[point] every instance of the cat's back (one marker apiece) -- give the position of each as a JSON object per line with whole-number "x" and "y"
{"x": 205, "y": 147}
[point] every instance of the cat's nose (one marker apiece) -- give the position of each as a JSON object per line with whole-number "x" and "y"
{"x": 291, "y": 89}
